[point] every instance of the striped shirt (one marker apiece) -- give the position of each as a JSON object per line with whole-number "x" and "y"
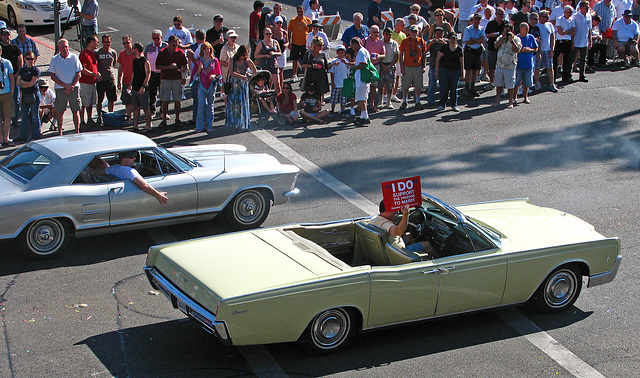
{"x": 29, "y": 45}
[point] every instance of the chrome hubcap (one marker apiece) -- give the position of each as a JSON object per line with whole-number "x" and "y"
{"x": 560, "y": 288}
{"x": 330, "y": 328}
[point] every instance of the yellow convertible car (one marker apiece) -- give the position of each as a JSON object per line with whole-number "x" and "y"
{"x": 320, "y": 283}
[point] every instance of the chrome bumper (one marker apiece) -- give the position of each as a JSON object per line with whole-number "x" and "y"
{"x": 188, "y": 306}
{"x": 606, "y": 277}
{"x": 291, "y": 192}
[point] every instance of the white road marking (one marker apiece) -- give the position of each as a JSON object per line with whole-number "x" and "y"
{"x": 540, "y": 339}
{"x": 316, "y": 172}
{"x": 543, "y": 341}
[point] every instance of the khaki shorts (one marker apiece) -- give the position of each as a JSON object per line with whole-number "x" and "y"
{"x": 168, "y": 87}
{"x": 412, "y": 78}
{"x": 60, "y": 105}
{"x": 7, "y": 105}
{"x": 88, "y": 94}
{"x": 362, "y": 93}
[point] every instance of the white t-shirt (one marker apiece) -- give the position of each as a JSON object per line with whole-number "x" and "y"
{"x": 422, "y": 23}
{"x": 565, "y": 24}
{"x": 546, "y": 30}
{"x": 183, "y": 35}
{"x": 48, "y": 98}
{"x": 558, "y": 12}
{"x": 340, "y": 72}
{"x": 322, "y": 35}
{"x": 65, "y": 68}
{"x": 466, "y": 7}
{"x": 122, "y": 172}
{"x": 479, "y": 8}
{"x": 625, "y": 31}
{"x": 362, "y": 57}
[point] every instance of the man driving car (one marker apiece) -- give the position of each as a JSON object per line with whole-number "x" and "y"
{"x": 396, "y": 232}
{"x": 126, "y": 171}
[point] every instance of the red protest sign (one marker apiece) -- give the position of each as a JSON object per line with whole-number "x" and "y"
{"x": 397, "y": 193}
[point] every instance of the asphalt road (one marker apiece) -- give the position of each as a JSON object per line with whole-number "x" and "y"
{"x": 577, "y": 150}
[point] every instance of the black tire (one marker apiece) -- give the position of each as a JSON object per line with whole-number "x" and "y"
{"x": 12, "y": 18}
{"x": 44, "y": 238}
{"x": 248, "y": 209}
{"x": 329, "y": 332}
{"x": 559, "y": 290}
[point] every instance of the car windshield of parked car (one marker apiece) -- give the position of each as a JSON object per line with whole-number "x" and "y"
{"x": 184, "y": 163}
{"x": 25, "y": 163}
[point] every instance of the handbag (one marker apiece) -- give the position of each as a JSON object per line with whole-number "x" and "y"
{"x": 369, "y": 73}
{"x": 349, "y": 87}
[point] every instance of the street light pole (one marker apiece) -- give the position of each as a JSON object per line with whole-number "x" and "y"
{"x": 57, "y": 6}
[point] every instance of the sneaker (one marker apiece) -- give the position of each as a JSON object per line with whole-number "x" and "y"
{"x": 455, "y": 109}
{"x": 440, "y": 107}
{"x": 403, "y": 105}
{"x": 510, "y": 106}
{"x": 484, "y": 77}
{"x": 538, "y": 86}
{"x": 388, "y": 106}
{"x": 553, "y": 88}
{"x": 395, "y": 99}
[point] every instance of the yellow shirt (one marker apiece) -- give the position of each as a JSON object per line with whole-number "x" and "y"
{"x": 398, "y": 37}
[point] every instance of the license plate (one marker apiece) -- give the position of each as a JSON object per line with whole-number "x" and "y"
{"x": 183, "y": 307}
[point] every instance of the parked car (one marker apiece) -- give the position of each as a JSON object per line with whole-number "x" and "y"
{"x": 320, "y": 283}
{"x": 48, "y": 193}
{"x": 34, "y": 12}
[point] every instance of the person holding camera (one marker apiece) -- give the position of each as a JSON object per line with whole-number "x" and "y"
{"x": 508, "y": 46}
{"x": 412, "y": 65}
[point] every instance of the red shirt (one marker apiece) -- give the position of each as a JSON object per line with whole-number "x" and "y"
{"x": 287, "y": 107}
{"x": 254, "y": 18}
{"x": 90, "y": 62}
{"x": 127, "y": 65}
{"x": 165, "y": 58}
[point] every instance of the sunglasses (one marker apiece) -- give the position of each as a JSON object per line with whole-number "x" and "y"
{"x": 28, "y": 58}
{"x": 126, "y": 42}
{"x": 375, "y": 32}
{"x": 267, "y": 33}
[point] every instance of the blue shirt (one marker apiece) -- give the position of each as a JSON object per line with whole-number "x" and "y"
{"x": 5, "y": 69}
{"x": 526, "y": 60}
{"x": 472, "y": 33}
{"x": 351, "y": 32}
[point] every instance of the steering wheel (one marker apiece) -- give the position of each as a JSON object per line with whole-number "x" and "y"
{"x": 417, "y": 219}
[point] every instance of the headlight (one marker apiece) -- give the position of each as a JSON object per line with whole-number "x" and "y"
{"x": 25, "y": 6}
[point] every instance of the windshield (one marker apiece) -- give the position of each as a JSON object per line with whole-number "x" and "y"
{"x": 26, "y": 163}
{"x": 183, "y": 163}
{"x": 491, "y": 233}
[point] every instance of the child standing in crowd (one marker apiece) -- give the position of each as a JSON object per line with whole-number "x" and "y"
{"x": 339, "y": 71}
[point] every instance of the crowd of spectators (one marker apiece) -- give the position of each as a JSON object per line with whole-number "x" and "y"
{"x": 515, "y": 45}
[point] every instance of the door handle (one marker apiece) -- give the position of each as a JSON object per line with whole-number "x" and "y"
{"x": 429, "y": 271}
{"x": 116, "y": 190}
{"x": 448, "y": 268}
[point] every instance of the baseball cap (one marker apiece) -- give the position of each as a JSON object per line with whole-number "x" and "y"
{"x": 413, "y": 28}
{"x": 217, "y": 17}
{"x": 266, "y": 10}
{"x": 278, "y": 19}
{"x": 341, "y": 47}
{"x": 43, "y": 83}
{"x": 232, "y": 33}
{"x": 3, "y": 25}
{"x": 627, "y": 12}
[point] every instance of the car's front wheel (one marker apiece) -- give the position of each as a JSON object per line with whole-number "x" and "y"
{"x": 12, "y": 18}
{"x": 559, "y": 290}
{"x": 44, "y": 238}
{"x": 248, "y": 209}
{"x": 328, "y": 332}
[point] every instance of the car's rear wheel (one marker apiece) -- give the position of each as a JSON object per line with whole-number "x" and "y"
{"x": 44, "y": 238}
{"x": 329, "y": 332}
{"x": 559, "y": 290}
{"x": 248, "y": 209}
{"x": 12, "y": 18}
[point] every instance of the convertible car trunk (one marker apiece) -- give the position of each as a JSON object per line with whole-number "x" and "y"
{"x": 531, "y": 227}
{"x": 231, "y": 265}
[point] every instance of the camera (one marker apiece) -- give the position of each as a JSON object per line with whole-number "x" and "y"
{"x": 2, "y": 84}
{"x": 412, "y": 53}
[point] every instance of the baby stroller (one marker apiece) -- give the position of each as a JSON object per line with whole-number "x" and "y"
{"x": 256, "y": 106}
